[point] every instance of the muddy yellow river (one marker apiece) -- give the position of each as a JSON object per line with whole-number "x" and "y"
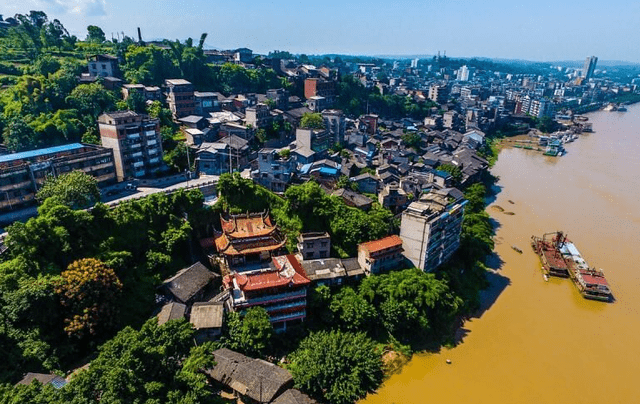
{"x": 541, "y": 342}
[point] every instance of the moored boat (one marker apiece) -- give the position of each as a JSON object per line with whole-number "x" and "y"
{"x": 560, "y": 257}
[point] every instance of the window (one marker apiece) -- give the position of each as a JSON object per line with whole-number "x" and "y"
{"x": 104, "y": 67}
{"x": 323, "y": 243}
{"x": 309, "y": 245}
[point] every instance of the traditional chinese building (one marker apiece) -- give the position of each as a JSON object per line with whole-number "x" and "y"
{"x": 280, "y": 289}
{"x": 248, "y": 237}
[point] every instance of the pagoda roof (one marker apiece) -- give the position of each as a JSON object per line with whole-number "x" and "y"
{"x": 247, "y": 225}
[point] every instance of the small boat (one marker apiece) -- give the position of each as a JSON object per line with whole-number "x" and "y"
{"x": 448, "y": 361}
{"x": 622, "y": 108}
{"x": 511, "y": 202}
{"x": 546, "y": 277}
{"x": 516, "y": 249}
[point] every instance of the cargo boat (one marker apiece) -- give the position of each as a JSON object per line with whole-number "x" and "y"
{"x": 553, "y": 263}
{"x": 560, "y": 257}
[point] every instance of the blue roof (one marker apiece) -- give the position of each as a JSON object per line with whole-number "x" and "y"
{"x": 328, "y": 171}
{"x": 305, "y": 168}
{"x": 39, "y": 152}
{"x": 442, "y": 174}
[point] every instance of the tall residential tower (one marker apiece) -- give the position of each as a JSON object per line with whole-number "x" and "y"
{"x": 589, "y": 67}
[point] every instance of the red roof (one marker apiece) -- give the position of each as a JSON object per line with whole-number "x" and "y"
{"x": 593, "y": 280}
{"x": 274, "y": 278}
{"x": 382, "y": 244}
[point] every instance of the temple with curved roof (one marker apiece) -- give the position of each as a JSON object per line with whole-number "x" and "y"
{"x": 248, "y": 237}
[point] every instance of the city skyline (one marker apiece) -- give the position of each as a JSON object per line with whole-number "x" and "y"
{"x": 550, "y": 31}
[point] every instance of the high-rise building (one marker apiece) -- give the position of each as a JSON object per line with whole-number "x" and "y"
{"x": 135, "y": 140}
{"x": 430, "y": 228}
{"x": 589, "y": 67}
{"x": 463, "y": 73}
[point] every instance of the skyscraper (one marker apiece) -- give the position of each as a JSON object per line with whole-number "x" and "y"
{"x": 589, "y": 67}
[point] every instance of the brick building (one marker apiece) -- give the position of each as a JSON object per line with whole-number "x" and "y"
{"x": 135, "y": 140}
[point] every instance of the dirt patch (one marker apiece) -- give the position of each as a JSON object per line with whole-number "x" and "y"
{"x": 393, "y": 362}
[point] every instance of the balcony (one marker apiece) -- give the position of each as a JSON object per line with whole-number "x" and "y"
{"x": 150, "y": 133}
{"x": 138, "y": 164}
{"x": 133, "y": 136}
{"x": 152, "y": 142}
{"x": 154, "y": 160}
{"x": 289, "y": 316}
{"x": 137, "y": 154}
{"x": 284, "y": 306}
{"x": 270, "y": 298}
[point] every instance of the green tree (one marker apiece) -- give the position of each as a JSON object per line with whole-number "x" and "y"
{"x": 95, "y": 34}
{"x": 152, "y": 365}
{"x": 455, "y": 171}
{"x": 75, "y": 189}
{"x": 312, "y": 121}
{"x": 92, "y": 99}
{"x": 19, "y": 136}
{"x": 339, "y": 367}
{"x": 353, "y": 311}
{"x": 250, "y": 334}
{"x": 88, "y": 290}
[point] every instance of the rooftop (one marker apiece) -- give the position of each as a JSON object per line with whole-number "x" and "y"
{"x": 40, "y": 152}
{"x": 382, "y": 244}
{"x": 189, "y": 281}
{"x": 206, "y": 315}
{"x": 171, "y": 311}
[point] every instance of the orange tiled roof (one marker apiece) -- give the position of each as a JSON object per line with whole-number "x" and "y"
{"x": 278, "y": 277}
{"x": 226, "y": 245}
{"x": 240, "y": 226}
{"x": 382, "y": 244}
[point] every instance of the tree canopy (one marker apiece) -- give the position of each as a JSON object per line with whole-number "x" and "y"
{"x": 75, "y": 190}
{"x": 311, "y": 121}
{"x": 88, "y": 291}
{"x": 337, "y": 366}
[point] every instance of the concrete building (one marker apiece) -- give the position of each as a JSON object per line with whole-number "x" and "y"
{"x": 206, "y": 102}
{"x": 463, "y": 73}
{"x": 319, "y": 87}
{"x": 317, "y": 140}
{"x": 103, "y": 66}
{"x": 280, "y": 97}
{"x": 22, "y": 174}
{"x": 274, "y": 170}
{"x": 151, "y": 93}
{"x": 180, "y": 97}
{"x": 589, "y": 67}
{"x": 213, "y": 158}
{"x": 392, "y": 196}
{"x": 258, "y": 116}
{"x": 135, "y": 140}
{"x": 380, "y": 255}
{"x": 314, "y": 245}
{"x": 430, "y": 228}
{"x": 369, "y": 123}
{"x": 334, "y": 122}
{"x": 438, "y": 93}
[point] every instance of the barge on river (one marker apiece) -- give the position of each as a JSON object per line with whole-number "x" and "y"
{"x": 561, "y": 258}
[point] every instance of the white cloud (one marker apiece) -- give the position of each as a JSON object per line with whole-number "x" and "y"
{"x": 58, "y": 8}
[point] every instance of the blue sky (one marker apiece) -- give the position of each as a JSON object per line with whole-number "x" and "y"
{"x": 536, "y": 30}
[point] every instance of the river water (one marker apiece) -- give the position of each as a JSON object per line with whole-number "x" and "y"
{"x": 541, "y": 342}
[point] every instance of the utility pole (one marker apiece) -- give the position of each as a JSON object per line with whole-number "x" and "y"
{"x": 188, "y": 165}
